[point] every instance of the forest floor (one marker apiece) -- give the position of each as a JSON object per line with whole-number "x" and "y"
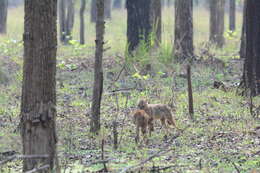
{"x": 222, "y": 138}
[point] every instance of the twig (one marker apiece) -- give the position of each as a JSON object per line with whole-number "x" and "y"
{"x": 102, "y": 154}
{"x": 200, "y": 164}
{"x": 112, "y": 93}
{"x": 23, "y": 157}
{"x": 238, "y": 171}
{"x": 106, "y": 49}
{"x": 123, "y": 123}
{"x": 38, "y": 169}
{"x": 119, "y": 74}
{"x": 191, "y": 110}
{"x": 256, "y": 153}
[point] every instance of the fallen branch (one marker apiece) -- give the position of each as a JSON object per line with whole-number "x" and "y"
{"x": 145, "y": 161}
{"x": 158, "y": 168}
{"x": 39, "y": 169}
{"x": 23, "y": 157}
{"x": 99, "y": 162}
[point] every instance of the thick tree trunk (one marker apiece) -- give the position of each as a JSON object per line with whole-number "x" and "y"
{"x": 183, "y": 40}
{"x": 138, "y": 23}
{"x": 252, "y": 60}
{"x": 232, "y": 15}
{"x": 243, "y": 34}
{"x": 117, "y": 4}
{"x": 217, "y": 10}
{"x": 98, "y": 76}
{"x": 3, "y": 15}
{"x": 62, "y": 20}
{"x": 38, "y": 107}
{"x": 156, "y": 21}
{"x": 82, "y": 21}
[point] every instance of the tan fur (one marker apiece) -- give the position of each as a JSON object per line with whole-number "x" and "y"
{"x": 143, "y": 122}
{"x": 158, "y": 111}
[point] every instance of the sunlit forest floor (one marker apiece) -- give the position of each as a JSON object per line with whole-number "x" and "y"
{"x": 221, "y": 139}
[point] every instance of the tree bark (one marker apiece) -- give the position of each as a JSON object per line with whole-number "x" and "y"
{"x": 98, "y": 73}
{"x": 183, "y": 40}
{"x": 232, "y": 15}
{"x": 252, "y": 60}
{"x": 156, "y": 21}
{"x": 242, "y": 51}
{"x": 38, "y": 106}
{"x": 217, "y": 10}
{"x": 3, "y": 15}
{"x": 82, "y": 21}
{"x": 138, "y": 23}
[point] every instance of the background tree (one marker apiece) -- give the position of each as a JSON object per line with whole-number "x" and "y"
{"x": 69, "y": 19}
{"x": 3, "y": 15}
{"x": 217, "y": 10}
{"x": 183, "y": 40}
{"x": 242, "y": 51}
{"x": 98, "y": 73}
{"x": 138, "y": 23}
{"x": 156, "y": 20}
{"x": 82, "y": 21}
{"x": 107, "y": 10}
{"x": 66, "y": 19}
{"x": 108, "y": 4}
{"x": 62, "y": 20}
{"x": 232, "y": 15}
{"x": 38, "y": 106}
{"x": 117, "y": 4}
{"x": 251, "y": 75}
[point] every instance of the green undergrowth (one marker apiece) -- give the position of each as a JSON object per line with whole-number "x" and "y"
{"x": 221, "y": 136}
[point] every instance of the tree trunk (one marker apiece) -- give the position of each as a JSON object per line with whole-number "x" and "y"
{"x": 82, "y": 21}
{"x": 138, "y": 23}
{"x": 62, "y": 20}
{"x": 107, "y": 10}
{"x": 156, "y": 21}
{"x": 3, "y": 15}
{"x": 232, "y": 15}
{"x": 93, "y": 11}
{"x": 38, "y": 106}
{"x": 66, "y": 19}
{"x": 242, "y": 51}
{"x": 117, "y": 4}
{"x": 69, "y": 20}
{"x": 252, "y": 60}
{"x": 183, "y": 40}
{"x": 170, "y": 3}
{"x": 217, "y": 10}
{"x": 98, "y": 76}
